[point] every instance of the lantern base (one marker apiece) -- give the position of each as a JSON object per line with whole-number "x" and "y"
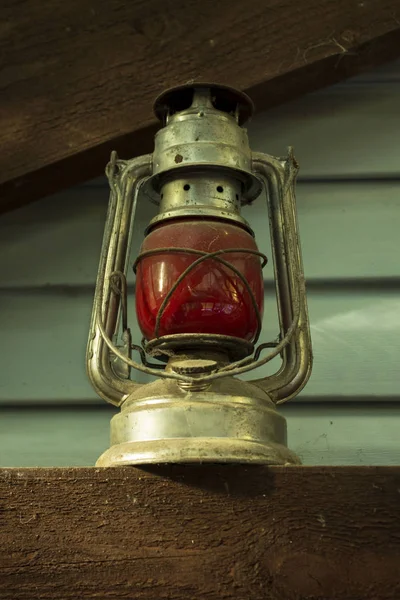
{"x": 199, "y": 450}
{"x": 232, "y": 421}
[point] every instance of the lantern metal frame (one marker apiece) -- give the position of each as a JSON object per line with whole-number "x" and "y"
{"x": 109, "y": 364}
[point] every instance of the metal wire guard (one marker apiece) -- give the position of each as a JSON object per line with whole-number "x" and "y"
{"x": 203, "y": 257}
{"x": 233, "y": 369}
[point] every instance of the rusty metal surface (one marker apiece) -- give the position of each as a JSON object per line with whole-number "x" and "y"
{"x": 184, "y": 413}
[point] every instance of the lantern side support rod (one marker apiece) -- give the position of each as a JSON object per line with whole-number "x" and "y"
{"x": 124, "y": 178}
{"x": 279, "y": 176}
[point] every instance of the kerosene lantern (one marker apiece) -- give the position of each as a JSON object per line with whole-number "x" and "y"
{"x": 199, "y": 293}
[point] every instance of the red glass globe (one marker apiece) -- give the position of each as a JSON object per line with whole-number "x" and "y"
{"x": 212, "y": 298}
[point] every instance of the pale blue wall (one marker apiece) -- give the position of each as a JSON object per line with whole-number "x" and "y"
{"x": 348, "y": 144}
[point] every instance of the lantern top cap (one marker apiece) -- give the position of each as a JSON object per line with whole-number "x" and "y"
{"x": 222, "y": 97}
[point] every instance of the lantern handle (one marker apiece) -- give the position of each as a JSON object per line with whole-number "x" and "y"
{"x": 124, "y": 178}
{"x": 279, "y": 177}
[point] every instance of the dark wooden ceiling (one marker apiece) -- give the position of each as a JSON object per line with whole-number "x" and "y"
{"x": 78, "y": 78}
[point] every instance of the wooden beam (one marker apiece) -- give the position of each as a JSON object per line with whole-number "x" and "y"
{"x": 77, "y": 78}
{"x": 176, "y": 532}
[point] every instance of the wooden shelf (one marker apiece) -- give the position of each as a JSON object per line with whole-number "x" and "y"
{"x": 201, "y": 532}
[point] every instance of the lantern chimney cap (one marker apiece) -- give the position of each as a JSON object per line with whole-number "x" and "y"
{"x": 223, "y": 98}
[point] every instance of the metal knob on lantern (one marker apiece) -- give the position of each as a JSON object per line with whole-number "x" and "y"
{"x": 199, "y": 293}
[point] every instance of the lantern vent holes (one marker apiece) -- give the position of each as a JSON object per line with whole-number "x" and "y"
{"x": 186, "y": 187}
{"x": 179, "y": 102}
{"x": 204, "y": 95}
{"x": 221, "y": 101}
{"x": 220, "y": 189}
{"x": 225, "y": 104}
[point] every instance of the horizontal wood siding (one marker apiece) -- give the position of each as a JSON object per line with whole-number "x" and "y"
{"x": 333, "y": 433}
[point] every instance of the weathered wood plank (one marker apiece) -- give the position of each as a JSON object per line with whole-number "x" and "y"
{"x": 78, "y": 79}
{"x": 200, "y": 532}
